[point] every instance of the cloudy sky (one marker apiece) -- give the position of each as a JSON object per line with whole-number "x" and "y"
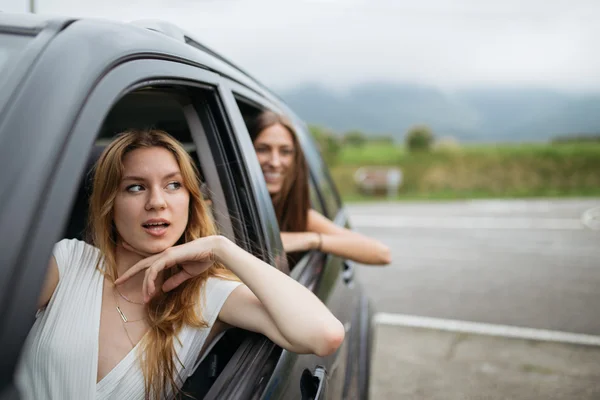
{"x": 446, "y": 43}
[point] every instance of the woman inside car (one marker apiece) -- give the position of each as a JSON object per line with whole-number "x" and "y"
{"x": 286, "y": 174}
{"x": 127, "y": 317}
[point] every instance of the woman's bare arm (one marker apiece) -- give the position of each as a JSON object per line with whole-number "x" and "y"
{"x": 346, "y": 243}
{"x": 270, "y": 302}
{"x": 277, "y": 306}
{"x": 336, "y": 240}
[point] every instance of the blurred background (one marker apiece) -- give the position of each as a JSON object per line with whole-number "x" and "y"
{"x": 490, "y": 108}
{"x": 502, "y": 97}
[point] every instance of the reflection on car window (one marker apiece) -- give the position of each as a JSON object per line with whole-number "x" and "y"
{"x": 315, "y": 201}
{"x": 328, "y": 192}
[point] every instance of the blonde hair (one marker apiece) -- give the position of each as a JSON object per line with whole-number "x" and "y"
{"x": 167, "y": 312}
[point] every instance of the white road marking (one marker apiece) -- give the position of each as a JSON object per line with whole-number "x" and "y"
{"x": 455, "y": 222}
{"x": 486, "y": 329}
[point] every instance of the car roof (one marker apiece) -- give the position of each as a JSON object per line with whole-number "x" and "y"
{"x": 29, "y": 23}
{"x": 142, "y": 36}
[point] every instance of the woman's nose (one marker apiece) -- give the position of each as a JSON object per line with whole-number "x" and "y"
{"x": 156, "y": 200}
{"x": 275, "y": 159}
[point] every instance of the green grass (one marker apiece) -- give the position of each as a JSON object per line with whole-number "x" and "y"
{"x": 449, "y": 195}
{"x": 533, "y": 149}
{"x": 379, "y": 154}
{"x": 478, "y": 171}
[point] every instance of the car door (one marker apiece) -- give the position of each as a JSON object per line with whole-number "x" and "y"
{"x": 327, "y": 276}
{"x": 359, "y": 331}
{"x": 346, "y": 291}
{"x": 47, "y": 135}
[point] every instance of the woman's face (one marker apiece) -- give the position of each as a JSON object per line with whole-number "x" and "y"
{"x": 275, "y": 150}
{"x": 151, "y": 206}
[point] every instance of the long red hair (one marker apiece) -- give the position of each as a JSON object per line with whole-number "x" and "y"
{"x": 167, "y": 312}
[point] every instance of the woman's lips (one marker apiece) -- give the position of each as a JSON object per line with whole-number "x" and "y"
{"x": 272, "y": 177}
{"x": 156, "y": 230}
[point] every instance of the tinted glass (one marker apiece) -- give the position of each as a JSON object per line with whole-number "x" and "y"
{"x": 315, "y": 201}
{"x": 320, "y": 172}
{"x": 328, "y": 191}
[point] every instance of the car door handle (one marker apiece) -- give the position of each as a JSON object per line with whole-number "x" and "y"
{"x": 348, "y": 273}
{"x": 313, "y": 386}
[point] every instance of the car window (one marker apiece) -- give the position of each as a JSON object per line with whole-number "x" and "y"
{"x": 315, "y": 199}
{"x": 320, "y": 172}
{"x": 11, "y": 46}
{"x": 161, "y": 109}
{"x": 191, "y": 116}
{"x": 328, "y": 191}
{"x": 249, "y": 110}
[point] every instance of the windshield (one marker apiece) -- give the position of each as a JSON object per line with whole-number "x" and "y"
{"x": 11, "y": 46}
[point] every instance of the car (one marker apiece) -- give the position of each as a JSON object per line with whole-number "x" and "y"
{"x": 67, "y": 87}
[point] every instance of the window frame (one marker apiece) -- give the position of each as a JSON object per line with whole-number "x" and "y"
{"x": 29, "y": 259}
{"x": 230, "y": 90}
{"x": 320, "y": 173}
{"x": 302, "y": 271}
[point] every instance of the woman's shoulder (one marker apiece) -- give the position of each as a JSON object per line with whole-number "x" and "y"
{"x": 75, "y": 246}
{"x": 69, "y": 252}
{"x": 218, "y": 286}
{"x": 216, "y": 291}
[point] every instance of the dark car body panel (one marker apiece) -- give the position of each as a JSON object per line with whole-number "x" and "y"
{"x": 51, "y": 110}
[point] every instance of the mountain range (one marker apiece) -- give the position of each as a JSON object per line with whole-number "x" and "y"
{"x": 469, "y": 115}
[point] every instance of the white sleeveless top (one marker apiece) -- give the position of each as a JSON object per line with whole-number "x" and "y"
{"x": 60, "y": 357}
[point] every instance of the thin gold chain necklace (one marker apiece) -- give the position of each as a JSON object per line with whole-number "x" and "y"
{"x": 126, "y": 298}
{"x": 124, "y": 319}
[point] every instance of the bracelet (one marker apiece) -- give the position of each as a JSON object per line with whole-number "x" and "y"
{"x": 320, "y": 245}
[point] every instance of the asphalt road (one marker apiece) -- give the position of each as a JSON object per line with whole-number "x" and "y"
{"x": 526, "y": 264}
{"x": 523, "y": 263}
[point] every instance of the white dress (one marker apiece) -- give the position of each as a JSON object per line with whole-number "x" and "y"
{"x": 60, "y": 357}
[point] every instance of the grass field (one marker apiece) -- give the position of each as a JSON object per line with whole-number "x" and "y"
{"x": 479, "y": 171}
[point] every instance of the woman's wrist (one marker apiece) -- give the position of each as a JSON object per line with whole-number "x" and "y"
{"x": 318, "y": 242}
{"x": 221, "y": 248}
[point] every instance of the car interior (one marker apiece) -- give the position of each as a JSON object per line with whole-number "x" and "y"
{"x": 162, "y": 109}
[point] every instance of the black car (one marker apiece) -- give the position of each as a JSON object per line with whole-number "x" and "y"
{"x": 67, "y": 86}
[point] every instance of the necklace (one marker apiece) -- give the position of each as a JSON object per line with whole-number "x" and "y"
{"x": 124, "y": 318}
{"x": 126, "y": 299}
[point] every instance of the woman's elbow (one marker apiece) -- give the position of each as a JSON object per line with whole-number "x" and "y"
{"x": 385, "y": 256}
{"x": 382, "y": 256}
{"x": 331, "y": 338}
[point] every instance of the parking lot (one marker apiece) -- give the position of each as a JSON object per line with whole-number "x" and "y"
{"x": 485, "y": 300}
{"x": 417, "y": 363}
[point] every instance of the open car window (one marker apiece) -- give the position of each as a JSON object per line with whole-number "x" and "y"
{"x": 250, "y": 109}
{"x": 191, "y": 115}
{"x": 167, "y": 109}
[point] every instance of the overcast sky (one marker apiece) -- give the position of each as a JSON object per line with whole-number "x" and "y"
{"x": 447, "y": 43}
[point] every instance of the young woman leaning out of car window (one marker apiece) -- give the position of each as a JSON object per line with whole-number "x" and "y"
{"x": 286, "y": 174}
{"x": 127, "y": 317}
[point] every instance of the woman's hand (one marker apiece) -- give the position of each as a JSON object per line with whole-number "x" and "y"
{"x": 193, "y": 258}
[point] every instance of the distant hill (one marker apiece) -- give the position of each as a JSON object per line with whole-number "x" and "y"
{"x": 481, "y": 115}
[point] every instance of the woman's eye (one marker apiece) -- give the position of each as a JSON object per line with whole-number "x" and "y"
{"x": 262, "y": 150}
{"x": 134, "y": 188}
{"x": 174, "y": 185}
{"x": 287, "y": 152}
